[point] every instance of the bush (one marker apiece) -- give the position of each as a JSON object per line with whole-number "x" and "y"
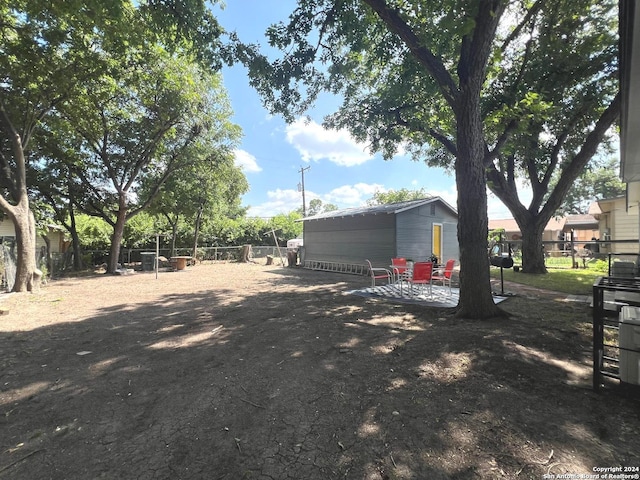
{"x": 599, "y": 266}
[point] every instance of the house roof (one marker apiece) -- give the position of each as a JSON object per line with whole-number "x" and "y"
{"x": 584, "y": 221}
{"x": 508, "y": 224}
{"x": 390, "y": 208}
{"x": 605, "y": 205}
{"x": 570, "y": 221}
{"x": 594, "y": 208}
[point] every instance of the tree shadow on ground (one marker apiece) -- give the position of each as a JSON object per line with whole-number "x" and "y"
{"x": 284, "y": 376}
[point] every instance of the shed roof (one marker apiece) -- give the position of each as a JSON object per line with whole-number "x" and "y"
{"x": 389, "y": 208}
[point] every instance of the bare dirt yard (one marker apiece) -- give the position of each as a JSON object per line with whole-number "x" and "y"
{"x": 245, "y": 371}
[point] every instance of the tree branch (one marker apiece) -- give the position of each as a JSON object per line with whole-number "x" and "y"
{"x": 535, "y": 8}
{"x": 439, "y": 136}
{"x": 491, "y": 155}
{"x": 425, "y": 56}
{"x": 580, "y": 160}
{"x": 17, "y": 186}
{"x": 475, "y": 50}
{"x": 503, "y": 189}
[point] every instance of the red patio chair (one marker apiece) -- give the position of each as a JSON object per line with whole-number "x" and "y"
{"x": 377, "y": 273}
{"x": 446, "y": 274}
{"x": 399, "y": 265}
{"x": 422, "y": 275}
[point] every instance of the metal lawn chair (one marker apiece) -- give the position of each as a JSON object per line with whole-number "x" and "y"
{"x": 445, "y": 275}
{"x": 378, "y": 273}
{"x": 400, "y": 271}
{"x": 422, "y": 275}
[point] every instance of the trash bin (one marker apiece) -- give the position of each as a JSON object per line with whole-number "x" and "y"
{"x": 148, "y": 261}
{"x": 292, "y": 258}
{"x": 629, "y": 343}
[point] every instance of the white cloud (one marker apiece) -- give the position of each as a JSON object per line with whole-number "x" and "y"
{"x": 450, "y": 196}
{"x": 288, "y": 195}
{"x": 352, "y": 195}
{"x": 314, "y": 142}
{"x": 247, "y": 162}
{"x": 345, "y": 196}
{"x": 279, "y": 201}
{"x": 284, "y": 201}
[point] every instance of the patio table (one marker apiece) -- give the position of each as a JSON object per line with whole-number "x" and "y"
{"x": 180, "y": 261}
{"x": 401, "y": 277}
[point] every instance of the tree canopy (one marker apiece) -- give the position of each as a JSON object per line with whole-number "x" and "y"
{"x": 208, "y": 189}
{"x": 317, "y": 206}
{"x": 600, "y": 181}
{"x": 50, "y": 50}
{"x": 553, "y": 112}
{"x": 394, "y": 196}
{"x": 492, "y": 89}
{"x": 139, "y": 126}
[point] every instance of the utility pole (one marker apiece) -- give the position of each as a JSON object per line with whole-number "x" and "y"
{"x": 301, "y": 189}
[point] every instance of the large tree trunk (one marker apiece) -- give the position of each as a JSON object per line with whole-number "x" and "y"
{"x": 196, "y": 232}
{"x": 118, "y": 232}
{"x": 78, "y": 264}
{"x": 173, "y": 221}
{"x": 28, "y": 276}
{"x": 174, "y": 236}
{"x": 48, "y": 258}
{"x": 476, "y": 299}
{"x": 77, "y": 250}
{"x": 532, "y": 248}
{"x": 75, "y": 240}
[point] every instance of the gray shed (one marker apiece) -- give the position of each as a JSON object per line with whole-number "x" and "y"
{"x": 343, "y": 240}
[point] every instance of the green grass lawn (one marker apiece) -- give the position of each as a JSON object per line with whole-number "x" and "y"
{"x": 560, "y": 278}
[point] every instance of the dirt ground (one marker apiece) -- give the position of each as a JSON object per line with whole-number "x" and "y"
{"x": 242, "y": 371}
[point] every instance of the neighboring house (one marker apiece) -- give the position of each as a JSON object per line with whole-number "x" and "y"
{"x": 512, "y": 232}
{"x": 584, "y": 228}
{"x": 55, "y": 235}
{"x": 8, "y": 254}
{"x": 629, "y": 54}
{"x": 343, "y": 240}
{"x": 620, "y": 217}
{"x": 618, "y": 222}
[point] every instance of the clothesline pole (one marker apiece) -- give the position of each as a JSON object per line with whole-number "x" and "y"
{"x": 275, "y": 239}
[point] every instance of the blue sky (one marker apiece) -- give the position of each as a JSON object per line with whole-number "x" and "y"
{"x": 272, "y": 153}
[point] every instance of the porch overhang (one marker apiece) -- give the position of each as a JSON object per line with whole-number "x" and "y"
{"x": 630, "y": 90}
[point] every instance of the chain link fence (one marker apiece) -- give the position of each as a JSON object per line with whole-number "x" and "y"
{"x": 133, "y": 257}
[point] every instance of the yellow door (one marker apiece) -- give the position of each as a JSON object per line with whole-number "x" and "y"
{"x": 436, "y": 241}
